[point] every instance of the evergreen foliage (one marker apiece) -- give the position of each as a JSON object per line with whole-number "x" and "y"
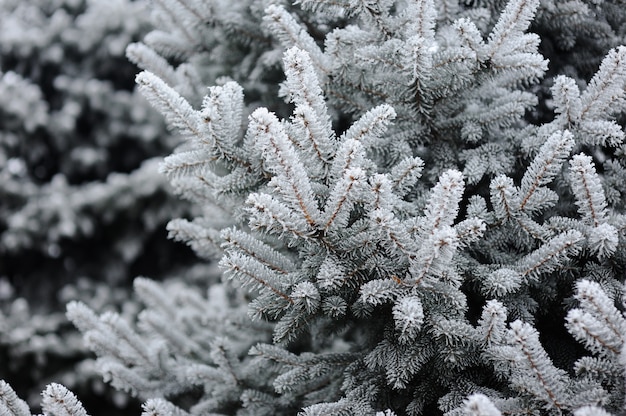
{"x": 428, "y": 221}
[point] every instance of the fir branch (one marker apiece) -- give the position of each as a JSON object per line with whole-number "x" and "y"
{"x": 471, "y": 37}
{"x": 350, "y": 155}
{"x": 282, "y": 25}
{"x": 341, "y": 200}
{"x": 543, "y": 381}
{"x": 492, "y": 323}
{"x": 443, "y": 204}
{"x": 551, "y": 255}
{"x": 394, "y": 234}
{"x": 270, "y": 215}
{"x": 405, "y": 174}
{"x": 377, "y": 292}
{"x": 292, "y": 180}
{"x": 253, "y": 274}
{"x": 370, "y": 126}
{"x": 435, "y": 255}
{"x": 177, "y": 111}
{"x": 147, "y": 59}
{"x": 235, "y": 239}
{"x": 59, "y": 401}
{"x": 597, "y": 323}
{"x": 591, "y": 411}
{"x": 567, "y": 99}
{"x": 422, "y": 20}
{"x": 302, "y": 88}
{"x": 10, "y": 403}
{"x": 161, "y": 407}
{"x": 408, "y": 316}
{"x": 514, "y": 20}
{"x": 204, "y": 241}
{"x": 587, "y": 189}
{"x": 546, "y": 165}
{"x": 606, "y": 88}
{"x": 222, "y": 113}
{"x": 479, "y": 405}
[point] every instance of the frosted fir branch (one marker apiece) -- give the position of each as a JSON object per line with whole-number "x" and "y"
{"x": 513, "y": 21}
{"x": 310, "y": 119}
{"x": 453, "y": 63}
{"x": 420, "y": 55}
{"x": 566, "y": 99}
{"x": 399, "y": 362}
{"x": 154, "y": 295}
{"x": 147, "y": 59}
{"x": 388, "y": 57}
{"x": 188, "y": 163}
{"x": 283, "y": 26}
{"x": 186, "y": 12}
{"x": 601, "y": 369}
{"x": 305, "y": 133}
{"x": 435, "y": 255}
{"x": 342, "y": 406}
{"x": 222, "y": 113}
{"x": 302, "y": 88}
{"x": 600, "y": 133}
{"x": 422, "y": 20}
{"x": 458, "y": 338}
{"x": 272, "y": 216}
{"x": 341, "y": 200}
{"x": 335, "y": 307}
{"x": 254, "y": 274}
{"x": 470, "y": 231}
{"x": 10, "y": 403}
{"x": 492, "y": 323}
{"x": 546, "y": 165}
{"x": 383, "y": 198}
{"x": 161, "y": 407}
{"x": 501, "y": 112}
{"x": 393, "y": 235}
{"x": 235, "y": 239}
{"x": 443, "y": 203}
{"x": 136, "y": 380}
{"x": 59, "y": 401}
{"x": 540, "y": 200}
{"x": 167, "y": 44}
{"x": 408, "y": 316}
{"x": 470, "y": 37}
{"x": 501, "y": 282}
{"x": 332, "y": 275}
{"x": 479, "y": 405}
{"x": 603, "y": 240}
{"x": 350, "y": 155}
{"x": 176, "y": 337}
{"x": 587, "y": 188}
{"x": 504, "y": 197}
{"x": 551, "y": 255}
{"x": 203, "y": 240}
{"x": 597, "y": 322}
{"x": 405, "y": 175}
{"x": 377, "y": 292}
{"x": 177, "y": 111}
{"x": 291, "y": 180}
{"x": 370, "y": 126}
{"x": 129, "y": 346}
{"x": 606, "y": 88}
{"x": 596, "y": 337}
{"x": 591, "y": 411}
{"x": 533, "y": 371}
{"x": 516, "y": 69}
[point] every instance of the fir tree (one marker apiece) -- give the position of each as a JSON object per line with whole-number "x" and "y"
{"x": 416, "y": 230}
